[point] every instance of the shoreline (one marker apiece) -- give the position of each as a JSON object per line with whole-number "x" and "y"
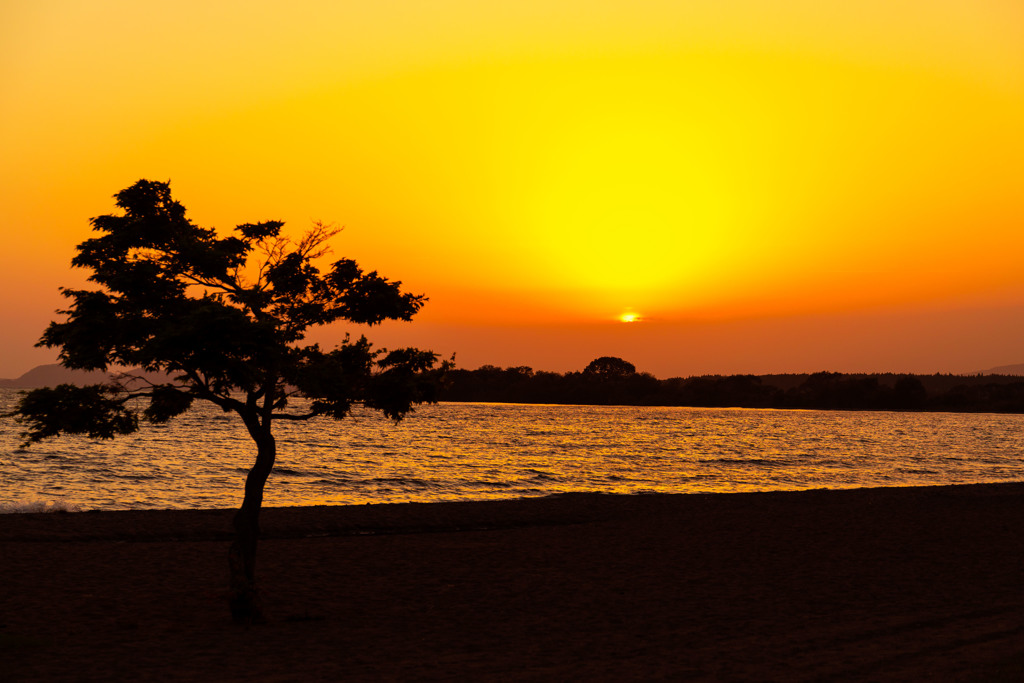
{"x": 844, "y": 584}
{"x": 299, "y": 521}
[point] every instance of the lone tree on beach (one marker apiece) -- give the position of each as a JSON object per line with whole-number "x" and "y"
{"x": 223, "y": 319}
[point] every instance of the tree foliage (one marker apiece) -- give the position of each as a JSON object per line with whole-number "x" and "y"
{"x": 610, "y": 367}
{"x": 223, "y": 318}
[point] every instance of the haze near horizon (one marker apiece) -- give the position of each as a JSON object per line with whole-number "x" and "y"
{"x": 742, "y": 186}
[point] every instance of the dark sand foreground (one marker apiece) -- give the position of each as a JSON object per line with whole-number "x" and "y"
{"x": 871, "y": 584}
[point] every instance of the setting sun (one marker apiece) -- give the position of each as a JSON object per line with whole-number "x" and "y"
{"x": 629, "y": 318}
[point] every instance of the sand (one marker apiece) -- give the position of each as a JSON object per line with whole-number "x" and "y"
{"x": 869, "y": 584}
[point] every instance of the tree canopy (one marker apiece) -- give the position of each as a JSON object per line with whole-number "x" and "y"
{"x": 610, "y": 367}
{"x": 220, "y": 316}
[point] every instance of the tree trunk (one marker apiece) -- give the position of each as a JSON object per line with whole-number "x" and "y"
{"x": 244, "y": 598}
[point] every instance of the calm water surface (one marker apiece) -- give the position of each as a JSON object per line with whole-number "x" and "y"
{"x": 462, "y": 451}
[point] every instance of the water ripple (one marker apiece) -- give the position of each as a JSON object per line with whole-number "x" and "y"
{"x": 478, "y": 451}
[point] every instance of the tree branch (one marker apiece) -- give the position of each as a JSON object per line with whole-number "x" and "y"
{"x": 202, "y": 390}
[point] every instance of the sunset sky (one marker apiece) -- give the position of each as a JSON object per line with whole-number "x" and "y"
{"x": 763, "y": 185}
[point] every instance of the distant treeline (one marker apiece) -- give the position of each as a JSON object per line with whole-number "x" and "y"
{"x": 613, "y": 381}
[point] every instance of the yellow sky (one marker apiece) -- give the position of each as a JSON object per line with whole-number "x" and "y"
{"x": 540, "y": 168}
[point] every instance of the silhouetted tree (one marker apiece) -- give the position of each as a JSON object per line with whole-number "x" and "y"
{"x": 609, "y": 367}
{"x": 223, "y": 318}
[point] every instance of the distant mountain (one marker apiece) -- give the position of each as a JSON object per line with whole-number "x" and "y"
{"x": 54, "y": 374}
{"x": 1005, "y": 370}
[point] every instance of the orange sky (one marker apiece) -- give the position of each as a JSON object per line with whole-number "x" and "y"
{"x": 780, "y": 185}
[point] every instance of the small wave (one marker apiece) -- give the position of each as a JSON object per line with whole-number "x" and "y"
{"x": 335, "y": 481}
{"x": 491, "y": 484}
{"x": 739, "y": 461}
{"x": 289, "y": 472}
{"x": 402, "y": 481}
{"x": 26, "y": 506}
{"x": 315, "y": 442}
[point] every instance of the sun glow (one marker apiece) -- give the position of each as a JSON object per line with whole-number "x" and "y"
{"x": 538, "y": 165}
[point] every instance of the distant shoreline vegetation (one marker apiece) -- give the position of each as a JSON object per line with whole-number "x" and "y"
{"x": 613, "y": 381}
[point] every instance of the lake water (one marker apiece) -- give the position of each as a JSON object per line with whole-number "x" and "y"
{"x": 466, "y": 451}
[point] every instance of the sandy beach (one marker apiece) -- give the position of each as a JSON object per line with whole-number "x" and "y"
{"x": 868, "y": 584}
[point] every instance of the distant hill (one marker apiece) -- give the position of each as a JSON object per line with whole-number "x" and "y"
{"x": 54, "y": 374}
{"x": 1005, "y": 370}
